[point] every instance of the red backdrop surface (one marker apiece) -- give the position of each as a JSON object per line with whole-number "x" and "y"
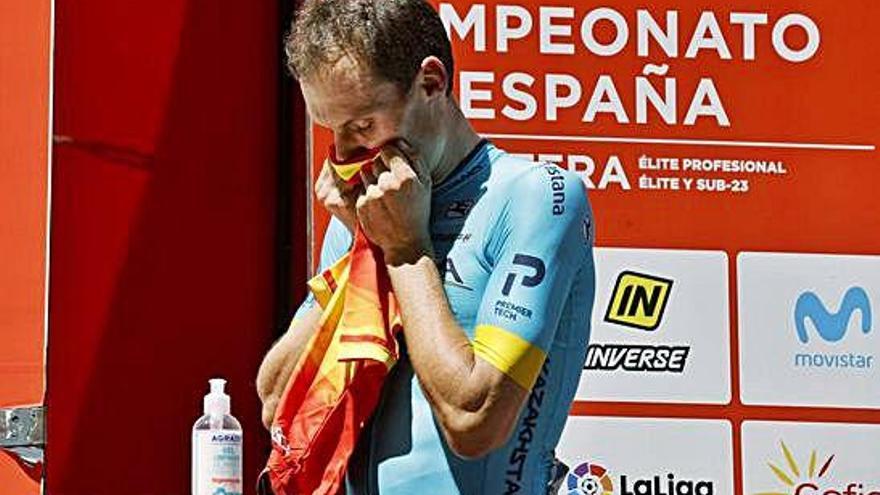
{"x": 25, "y": 48}
{"x": 163, "y": 235}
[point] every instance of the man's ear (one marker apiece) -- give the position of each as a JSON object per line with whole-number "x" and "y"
{"x": 432, "y": 78}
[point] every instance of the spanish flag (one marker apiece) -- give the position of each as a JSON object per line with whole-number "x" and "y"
{"x": 337, "y": 382}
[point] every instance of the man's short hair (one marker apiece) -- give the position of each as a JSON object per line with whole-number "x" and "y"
{"x": 391, "y": 38}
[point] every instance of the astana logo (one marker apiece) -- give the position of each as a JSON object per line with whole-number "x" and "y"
{"x": 831, "y": 326}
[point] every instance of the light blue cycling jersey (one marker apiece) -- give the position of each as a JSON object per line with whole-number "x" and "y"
{"x": 513, "y": 240}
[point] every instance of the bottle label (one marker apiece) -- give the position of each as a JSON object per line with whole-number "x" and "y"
{"x": 217, "y": 462}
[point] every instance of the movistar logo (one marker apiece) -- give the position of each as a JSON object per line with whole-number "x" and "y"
{"x": 831, "y": 326}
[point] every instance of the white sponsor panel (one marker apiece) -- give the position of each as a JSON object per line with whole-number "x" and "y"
{"x": 810, "y": 459}
{"x": 660, "y": 328}
{"x": 639, "y": 456}
{"x": 807, "y": 331}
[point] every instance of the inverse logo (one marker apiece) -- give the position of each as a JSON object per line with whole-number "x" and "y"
{"x": 638, "y": 300}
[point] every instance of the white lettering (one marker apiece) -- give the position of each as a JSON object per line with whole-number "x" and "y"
{"x": 748, "y": 21}
{"x": 529, "y": 103}
{"x": 598, "y": 102}
{"x": 714, "y": 108}
{"x": 667, "y": 40}
{"x": 548, "y": 30}
{"x": 554, "y": 100}
{"x": 505, "y": 31}
{"x": 813, "y": 38}
{"x": 620, "y": 38}
{"x": 707, "y": 35}
{"x": 645, "y": 92}
{"x": 469, "y": 95}
{"x": 474, "y": 20}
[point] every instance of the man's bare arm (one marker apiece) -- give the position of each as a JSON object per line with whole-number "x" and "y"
{"x": 476, "y": 404}
{"x": 281, "y": 359}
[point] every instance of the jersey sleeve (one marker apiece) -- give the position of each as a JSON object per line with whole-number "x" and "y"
{"x": 336, "y": 243}
{"x": 540, "y": 242}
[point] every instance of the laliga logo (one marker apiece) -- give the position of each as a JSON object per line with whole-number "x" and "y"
{"x": 593, "y": 479}
{"x": 810, "y": 482}
{"x": 589, "y": 479}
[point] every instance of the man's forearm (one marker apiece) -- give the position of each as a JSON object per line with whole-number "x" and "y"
{"x": 280, "y": 361}
{"x": 475, "y": 403}
{"x": 439, "y": 349}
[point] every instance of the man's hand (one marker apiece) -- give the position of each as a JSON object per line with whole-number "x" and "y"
{"x": 337, "y": 196}
{"x": 395, "y": 209}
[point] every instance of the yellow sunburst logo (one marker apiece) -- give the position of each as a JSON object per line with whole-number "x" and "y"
{"x": 794, "y": 476}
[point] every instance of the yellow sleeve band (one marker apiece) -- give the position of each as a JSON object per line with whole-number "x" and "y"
{"x": 510, "y": 354}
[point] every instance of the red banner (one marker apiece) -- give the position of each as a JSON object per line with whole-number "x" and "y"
{"x": 730, "y": 153}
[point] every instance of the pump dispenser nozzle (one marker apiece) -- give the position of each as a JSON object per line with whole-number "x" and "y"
{"x": 217, "y": 402}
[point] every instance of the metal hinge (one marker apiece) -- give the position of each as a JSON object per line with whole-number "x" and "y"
{"x": 23, "y": 433}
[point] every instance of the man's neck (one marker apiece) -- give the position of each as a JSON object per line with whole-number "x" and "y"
{"x": 458, "y": 142}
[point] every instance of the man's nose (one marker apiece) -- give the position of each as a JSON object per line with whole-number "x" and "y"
{"x": 346, "y": 147}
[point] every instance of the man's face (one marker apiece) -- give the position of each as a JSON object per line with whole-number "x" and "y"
{"x": 362, "y": 111}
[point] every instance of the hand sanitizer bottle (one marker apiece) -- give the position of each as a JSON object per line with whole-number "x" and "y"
{"x": 217, "y": 447}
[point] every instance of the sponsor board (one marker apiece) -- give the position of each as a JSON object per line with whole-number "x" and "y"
{"x": 810, "y": 459}
{"x": 615, "y": 456}
{"x": 660, "y": 327}
{"x": 807, "y": 329}
{"x": 642, "y": 124}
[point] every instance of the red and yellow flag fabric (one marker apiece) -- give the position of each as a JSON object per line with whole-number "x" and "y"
{"x": 337, "y": 382}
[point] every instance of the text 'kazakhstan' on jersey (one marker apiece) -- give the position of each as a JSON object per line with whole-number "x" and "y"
{"x": 513, "y": 241}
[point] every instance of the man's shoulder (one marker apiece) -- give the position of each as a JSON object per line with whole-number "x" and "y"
{"x": 534, "y": 187}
